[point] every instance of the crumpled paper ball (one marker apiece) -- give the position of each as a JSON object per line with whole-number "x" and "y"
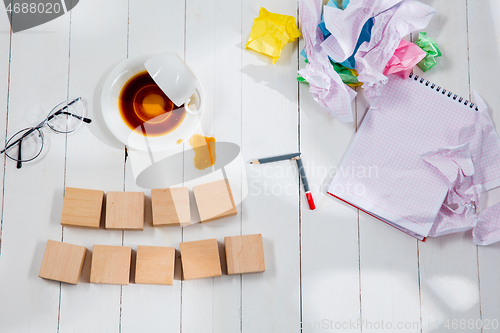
{"x": 429, "y": 45}
{"x": 405, "y": 57}
{"x": 271, "y": 32}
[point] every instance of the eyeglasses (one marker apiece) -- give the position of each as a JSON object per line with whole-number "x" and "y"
{"x": 27, "y": 144}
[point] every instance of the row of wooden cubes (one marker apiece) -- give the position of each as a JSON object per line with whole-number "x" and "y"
{"x": 154, "y": 264}
{"x": 125, "y": 210}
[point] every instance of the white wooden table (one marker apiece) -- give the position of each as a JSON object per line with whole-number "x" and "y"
{"x": 327, "y": 269}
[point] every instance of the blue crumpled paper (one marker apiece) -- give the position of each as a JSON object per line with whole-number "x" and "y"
{"x": 364, "y": 36}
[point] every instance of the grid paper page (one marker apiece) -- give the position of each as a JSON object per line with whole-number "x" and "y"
{"x": 383, "y": 172}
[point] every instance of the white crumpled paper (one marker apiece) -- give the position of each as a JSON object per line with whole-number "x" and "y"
{"x": 325, "y": 84}
{"x": 458, "y": 210}
{"x": 487, "y": 230}
{"x": 471, "y": 168}
{"x": 345, "y": 25}
{"x": 393, "y": 20}
{"x": 388, "y": 29}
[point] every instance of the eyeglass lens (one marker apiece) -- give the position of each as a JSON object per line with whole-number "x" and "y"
{"x": 66, "y": 117}
{"x": 28, "y": 147}
{"x": 27, "y": 144}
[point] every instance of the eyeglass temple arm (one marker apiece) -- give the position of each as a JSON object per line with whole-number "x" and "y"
{"x": 19, "y": 156}
{"x": 85, "y": 120}
{"x": 60, "y": 111}
{"x": 18, "y": 140}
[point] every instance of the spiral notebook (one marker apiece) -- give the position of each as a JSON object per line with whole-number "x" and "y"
{"x": 383, "y": 172}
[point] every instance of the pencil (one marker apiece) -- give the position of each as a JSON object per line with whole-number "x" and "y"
{"x": 275, "y": 158}
{"x": 303, "y": 177}
{"x": 300, "y": 165}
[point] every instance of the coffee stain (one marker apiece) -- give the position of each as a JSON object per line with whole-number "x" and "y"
{"x": 204, "y": 151}
{"x": 146, "y": 109}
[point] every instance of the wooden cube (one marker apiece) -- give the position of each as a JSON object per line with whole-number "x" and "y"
{"x": 110, "y": 264}
{"x": 155, "y": 265}
{"x": 244, "y": 254}
{"x": 82, "y": 208}
{"x": 171, "y": 206}
{"x": 200, "y": 259}
{"x": 62, "y": 262}
{"x": 214, "y": 200}
{"x": 125, "y": 210}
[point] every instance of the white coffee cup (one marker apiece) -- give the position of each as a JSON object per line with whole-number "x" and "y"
{"x": 175, "y": 79}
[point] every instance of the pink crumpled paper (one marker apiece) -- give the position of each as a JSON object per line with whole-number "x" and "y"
{"x": 405, "y": 57}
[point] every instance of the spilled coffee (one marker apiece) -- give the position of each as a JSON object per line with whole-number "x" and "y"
{"x": 146, "y": 109}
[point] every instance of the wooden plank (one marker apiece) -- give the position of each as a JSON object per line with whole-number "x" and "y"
{"x": 158, "y": 305}
{"x": 388, "y": 269}
{"x": 448, "y": 264}
{"x": 213, "y": 52}
{"x": 5, "y": 38}
{"x": 484, "y": 55}
{"x": 270, "y": 128}
{"x": 154, "y": 27}
{"x": 40, "y": 54}
{"x": 483, "y": 36}
{"x": 389, "y": 277}
{"x": 329, "y": 234}
{"x": 94, "y": 157}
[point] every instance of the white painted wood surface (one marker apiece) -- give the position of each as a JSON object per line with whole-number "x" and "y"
{"x": 449, "y": 264}
{"x": 32, "y": 200}
{"x": 484, "y": 55}
{"x": 328, "y": 269}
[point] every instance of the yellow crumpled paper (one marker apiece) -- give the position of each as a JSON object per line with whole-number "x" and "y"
{"x": 271, "y": 32}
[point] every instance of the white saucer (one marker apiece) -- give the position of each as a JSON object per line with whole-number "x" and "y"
{"x": 111, "y": 114}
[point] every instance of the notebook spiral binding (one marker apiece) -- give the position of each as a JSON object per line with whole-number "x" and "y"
{"x": 443, "y": 91}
